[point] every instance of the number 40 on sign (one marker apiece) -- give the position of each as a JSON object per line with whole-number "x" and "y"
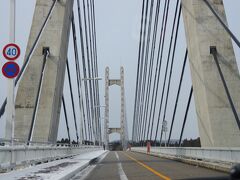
{"x": 11, "y": 51}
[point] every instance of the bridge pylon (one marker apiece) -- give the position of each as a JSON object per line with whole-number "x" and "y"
{"x": 216, "y": 122}
{"x": 123, "y": 128}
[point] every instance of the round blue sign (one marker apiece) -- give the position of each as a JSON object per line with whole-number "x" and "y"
{"x": 10, "y": 69}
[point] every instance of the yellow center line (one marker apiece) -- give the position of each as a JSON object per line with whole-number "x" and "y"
{"x": 148, "y": 168}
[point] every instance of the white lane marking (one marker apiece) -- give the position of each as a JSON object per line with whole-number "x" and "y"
{"x": 120, "y": 169}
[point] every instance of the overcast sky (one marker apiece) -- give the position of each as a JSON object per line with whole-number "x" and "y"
{"x": 118, "y": 25}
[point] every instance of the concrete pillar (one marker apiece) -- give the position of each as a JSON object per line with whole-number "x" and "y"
{"x": 56, "y": 37}
{"x": 216, "y": 122}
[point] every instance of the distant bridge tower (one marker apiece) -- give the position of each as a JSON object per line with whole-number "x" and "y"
{"x": 123, "y": 128}
{"x": 217, "y": 124}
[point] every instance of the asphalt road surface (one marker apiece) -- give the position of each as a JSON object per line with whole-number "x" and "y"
{"x": 119, "y": 165}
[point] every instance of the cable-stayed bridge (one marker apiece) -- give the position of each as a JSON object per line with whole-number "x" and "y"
{"x": 37, "y": 96}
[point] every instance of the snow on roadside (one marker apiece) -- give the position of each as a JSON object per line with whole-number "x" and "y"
{"x": 53, "y": 170}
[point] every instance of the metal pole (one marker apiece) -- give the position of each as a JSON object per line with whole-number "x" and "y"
{"x": 10, "y": 103}
{"x": 12, "y": 20}
{"x": 10, "y": 97}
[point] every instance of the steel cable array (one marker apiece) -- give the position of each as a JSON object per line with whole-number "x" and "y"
{"x": 144, "y": 75}
{"x": 173, "y": 56}
{"x": 146, "y": 96}
{"x": 146, "y": 93}
{"x": 90, "y": 67}
{"x": 138, "y": 102}
{"x": 79, "y": 83}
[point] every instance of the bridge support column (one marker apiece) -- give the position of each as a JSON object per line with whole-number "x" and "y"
{"x": 55, "y": 36}
{"x": 122, "y": 130}
{"x": 216, "y": 122}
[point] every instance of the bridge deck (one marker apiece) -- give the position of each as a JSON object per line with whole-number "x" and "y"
{"x": 136, "y": 166}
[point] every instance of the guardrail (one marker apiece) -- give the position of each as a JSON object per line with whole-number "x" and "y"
{"x": 229, "y": 155}
{"x": 11, "y": 157}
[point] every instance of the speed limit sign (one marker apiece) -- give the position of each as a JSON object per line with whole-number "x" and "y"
{"x": 11, "y": 51}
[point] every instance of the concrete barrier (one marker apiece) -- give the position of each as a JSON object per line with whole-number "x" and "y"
{"x": 231, "y": 155}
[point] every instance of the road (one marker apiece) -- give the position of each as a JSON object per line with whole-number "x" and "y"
{"x": 135, "y": 166}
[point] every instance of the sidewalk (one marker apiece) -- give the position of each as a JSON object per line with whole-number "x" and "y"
{"x": 55, "y": 170}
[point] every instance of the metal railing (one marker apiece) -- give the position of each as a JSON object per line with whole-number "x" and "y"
{"x": 228, "y": 155}
{"x": 12, "y": 156}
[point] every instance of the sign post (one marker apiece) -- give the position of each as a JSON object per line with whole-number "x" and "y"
{"x": 11, "y": 93}
{"x": 10, "y": 53}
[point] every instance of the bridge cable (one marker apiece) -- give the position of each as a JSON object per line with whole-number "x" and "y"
{"x": 87, "y": 36}
{"x": 91, "y": 66}
{"x": 158, "y": 69}
{"x": 66, "y": 118}
{"x": 137, "y": 81}
{"x": 214, "y": 52}
{"x": 148, "y": 129}
{"x": 79, "y": 83}
{"x": 222, "y": 22}
{"x": 164, "y": 33}
{"x": 36, "y": 104}
{"x": 93, "y": 48}
{"x": 143, "y": 74}
{"x": 178, "y": 92}
{"x": 95, "y": 34}
{"x": 146, "y": 69}
{"x": 165, "y": 18}
{"x": 141, "y": 69}
{"x": 149, "y": 82}
{"x": 171, "y": 68}
{"x": 185, "y": 117}
{"x": 96, "y": 68}
{"x": 163, "y": 92}
{"x": 88, "y": 73}
{"x": 72, "y": 100}
{"x": 26, "y": 62}
{"x": 84, "y": 71}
